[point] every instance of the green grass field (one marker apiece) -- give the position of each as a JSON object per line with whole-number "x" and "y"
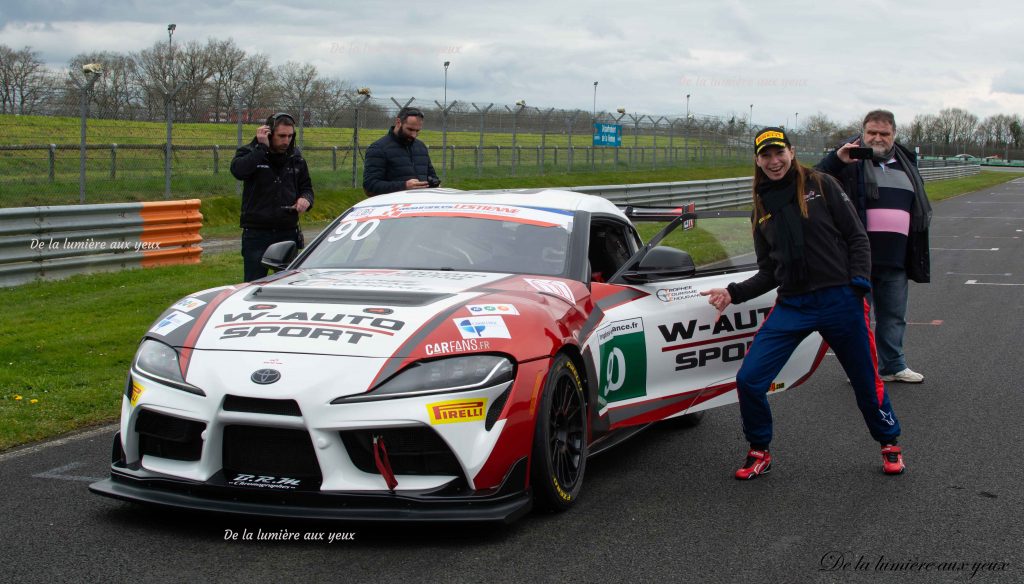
{"x": 134, "y": 171}
{"x": 65, "y": 346}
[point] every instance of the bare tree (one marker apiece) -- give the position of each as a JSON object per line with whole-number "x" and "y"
{"x": 820, "y": 124}
{"x": 227, "y": 62}
{"x": 922, "y": 129}
{"x": 298, "y": 85}
{"x": 331, "y": 103}
{"x": 956, "y": 126}
{"x": 256, "y": 83}
{"x": 1017, "y": 131}
{"x": 153, "y": 76}
{"x": 193, "y": 69}
{"x": 23, "y": 80}
{"x": 996, "y": 130}
{"x": 116, "y": 94}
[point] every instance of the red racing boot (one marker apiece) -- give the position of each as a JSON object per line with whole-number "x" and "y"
{"x": 758, "y": 462}
{"x": 892, "y": 459}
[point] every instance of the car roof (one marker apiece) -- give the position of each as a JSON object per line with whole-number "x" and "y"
{"x": 546, "y": 198}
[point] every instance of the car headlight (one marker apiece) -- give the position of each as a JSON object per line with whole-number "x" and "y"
{"x": 452, "y": 374}
{"x": 160, "y": 362}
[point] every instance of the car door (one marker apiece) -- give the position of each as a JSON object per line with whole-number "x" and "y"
{"x": 659, "y": 349}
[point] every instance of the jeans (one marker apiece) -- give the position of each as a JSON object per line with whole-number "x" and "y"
{"x": 841, "y": 316}
{"x": 255, "y": 242}
{"x": 889, "y": 290}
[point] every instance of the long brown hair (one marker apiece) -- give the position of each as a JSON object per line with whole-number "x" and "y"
{"x": 803, "y": 173}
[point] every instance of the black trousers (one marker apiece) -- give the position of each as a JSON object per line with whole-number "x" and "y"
{"x": 255, "y": 243}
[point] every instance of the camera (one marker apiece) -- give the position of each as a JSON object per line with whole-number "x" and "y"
{"x": 433, "y": 182}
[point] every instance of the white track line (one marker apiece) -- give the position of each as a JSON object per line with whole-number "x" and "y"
{"x": 108, "y": 430}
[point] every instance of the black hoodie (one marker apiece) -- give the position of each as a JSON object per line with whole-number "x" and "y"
{"x": 272, "y": 182}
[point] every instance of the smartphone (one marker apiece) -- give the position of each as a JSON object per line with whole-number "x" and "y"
{"x": 860, "y": 153}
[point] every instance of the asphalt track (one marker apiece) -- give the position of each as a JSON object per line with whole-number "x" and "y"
{"x": 664, "y": 506}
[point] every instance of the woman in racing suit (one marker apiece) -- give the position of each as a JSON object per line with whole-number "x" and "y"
{"x": 811, "y": 245}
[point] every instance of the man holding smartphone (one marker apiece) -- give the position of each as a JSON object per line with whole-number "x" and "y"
{"x": 882, "y": 180}
{"x": 276, "y": 190}
{"x": 399, "y": 161}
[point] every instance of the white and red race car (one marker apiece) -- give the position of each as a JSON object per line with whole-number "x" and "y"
{"x": 439, "y": 355}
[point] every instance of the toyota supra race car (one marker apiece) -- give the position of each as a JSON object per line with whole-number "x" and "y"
{"x": 437, "y": 355}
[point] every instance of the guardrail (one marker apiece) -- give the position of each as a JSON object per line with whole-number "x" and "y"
{"x": 949, "y": 171}
{"x": 724, "y": 193}
{"x": 706, "y": 194}
{"x": 59, "y": 241}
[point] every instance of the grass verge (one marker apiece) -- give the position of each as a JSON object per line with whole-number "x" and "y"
{"x": 65, "y": 346}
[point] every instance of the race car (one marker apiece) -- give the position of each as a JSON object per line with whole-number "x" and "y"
{"x": 436, "y": 355}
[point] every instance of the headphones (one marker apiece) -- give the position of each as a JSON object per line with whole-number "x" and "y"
{"x": 272, "y": 120}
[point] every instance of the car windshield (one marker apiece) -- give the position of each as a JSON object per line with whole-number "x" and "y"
{"x": 448, "y": 236}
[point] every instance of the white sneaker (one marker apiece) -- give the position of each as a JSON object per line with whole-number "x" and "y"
{"x": 908, "y": 375}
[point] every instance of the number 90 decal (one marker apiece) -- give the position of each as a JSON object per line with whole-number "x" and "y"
{"x": 355, "y": 229}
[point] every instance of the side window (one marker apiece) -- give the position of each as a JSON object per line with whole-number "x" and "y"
{"x": 610, "y": 247}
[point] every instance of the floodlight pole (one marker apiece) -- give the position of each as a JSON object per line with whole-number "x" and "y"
{"x": 83, "y": 101}
{"x": 444, "y": 126}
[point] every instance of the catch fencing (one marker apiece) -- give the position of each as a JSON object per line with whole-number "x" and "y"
{"x": 111, "y": 154}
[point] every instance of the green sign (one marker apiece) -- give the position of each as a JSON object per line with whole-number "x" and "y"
{"x": 623, "y": 365}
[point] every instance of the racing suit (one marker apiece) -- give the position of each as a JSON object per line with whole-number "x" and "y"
{"x": 829, "y": 300}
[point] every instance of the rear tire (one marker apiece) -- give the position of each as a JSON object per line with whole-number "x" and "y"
{"x": 560, "y": 439}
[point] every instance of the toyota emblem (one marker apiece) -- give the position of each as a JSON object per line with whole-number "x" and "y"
{"x": 265, "y": 376}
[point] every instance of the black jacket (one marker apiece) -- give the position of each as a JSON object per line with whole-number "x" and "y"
{"x": 836, "y": 247}
{"x": 918, "y": 260}
{"x": 271, "y": 183}
{"x": 389, "y": 163}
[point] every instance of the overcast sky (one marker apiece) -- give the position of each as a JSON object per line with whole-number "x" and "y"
{"x": 784, "y": 57}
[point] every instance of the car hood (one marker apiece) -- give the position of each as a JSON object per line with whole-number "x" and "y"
{"x": 367, "y": 313}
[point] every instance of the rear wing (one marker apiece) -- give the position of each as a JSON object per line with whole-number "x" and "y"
{"x": 662, "y": 214}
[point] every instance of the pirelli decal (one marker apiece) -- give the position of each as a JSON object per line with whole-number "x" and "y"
{"x": 136, "y": 393}
{"x": 456, "y": 411}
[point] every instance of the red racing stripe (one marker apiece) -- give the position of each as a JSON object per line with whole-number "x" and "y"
{"x": 197, "y": 328}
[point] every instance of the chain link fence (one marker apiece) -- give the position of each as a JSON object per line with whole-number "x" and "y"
{"x": 79, "y": 147}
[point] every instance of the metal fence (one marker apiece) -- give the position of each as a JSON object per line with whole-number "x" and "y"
{"x": 184, "y": 150}
{"x": 150, "y": 153}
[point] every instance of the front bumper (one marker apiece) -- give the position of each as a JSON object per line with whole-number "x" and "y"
{"x": 504, "y": 505}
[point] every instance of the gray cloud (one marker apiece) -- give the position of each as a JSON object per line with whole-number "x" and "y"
{"x": 784, "y": 57}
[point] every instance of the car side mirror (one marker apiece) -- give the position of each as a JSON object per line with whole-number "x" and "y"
{"x": 662, "y": 263}
{"x": 279, "y": 255}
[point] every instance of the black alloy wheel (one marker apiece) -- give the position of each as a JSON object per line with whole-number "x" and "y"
{"x": 560, "y": 439}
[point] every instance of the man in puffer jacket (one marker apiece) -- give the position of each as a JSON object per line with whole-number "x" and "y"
{"x": 399, "y": 161}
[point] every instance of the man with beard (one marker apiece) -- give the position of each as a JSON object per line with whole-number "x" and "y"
{"x": 276, "y": 190}
{"x": 399, "y": 161}
{"x": 889, "y": 194}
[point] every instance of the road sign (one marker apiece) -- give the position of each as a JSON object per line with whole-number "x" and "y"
{"x": 607, "y": 135}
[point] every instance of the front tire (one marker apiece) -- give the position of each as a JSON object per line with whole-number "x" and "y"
{"x": 560, "y": 438}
